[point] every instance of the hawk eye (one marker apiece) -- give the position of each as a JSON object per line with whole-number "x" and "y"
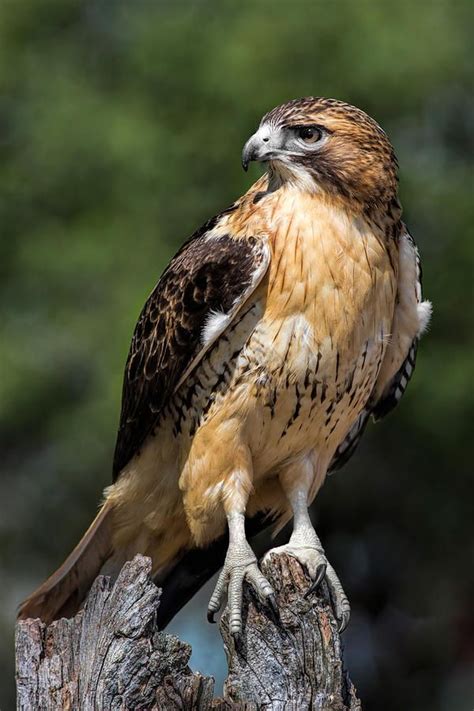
{"x": 309, "y": 134}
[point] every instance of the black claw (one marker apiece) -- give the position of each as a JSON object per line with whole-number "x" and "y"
{"x": 344, "y": 621}
{"x": 211, "y": 617}
{"x": 272, "y": 603}
{"x": 320, "y": 573}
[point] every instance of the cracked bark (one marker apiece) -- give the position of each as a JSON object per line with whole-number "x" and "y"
{"x": 294, "y": 662}
{"x": 112, "y": 656}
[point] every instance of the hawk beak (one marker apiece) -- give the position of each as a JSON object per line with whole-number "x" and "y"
{"x": 257, "y": 148}
{"x": 249, "y": 153}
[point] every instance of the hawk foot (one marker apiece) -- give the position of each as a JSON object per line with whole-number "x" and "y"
{"x": 240, "y": 564}
{"x": 312, "y": 558}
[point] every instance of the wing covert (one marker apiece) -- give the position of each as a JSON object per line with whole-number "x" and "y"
{"x": 213, "y": 273}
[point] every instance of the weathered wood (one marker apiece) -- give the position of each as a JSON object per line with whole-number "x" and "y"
{"x": 112, "y": 656}
{"x": 294, "y": 662}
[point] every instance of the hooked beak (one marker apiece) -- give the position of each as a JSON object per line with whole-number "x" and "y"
{"x": 259, "y": 148}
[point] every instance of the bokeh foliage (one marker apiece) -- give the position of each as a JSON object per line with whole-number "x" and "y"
{"x": 121, "y": 124}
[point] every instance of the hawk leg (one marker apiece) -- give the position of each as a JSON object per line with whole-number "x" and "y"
{"x": 305, "y": 546}
{"x": 240, "y": 564}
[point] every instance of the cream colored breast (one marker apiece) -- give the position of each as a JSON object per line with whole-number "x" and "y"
{"x": 326, "y": 324}
{"x": 330, "y": 269}
{"x": 298, "y": 366}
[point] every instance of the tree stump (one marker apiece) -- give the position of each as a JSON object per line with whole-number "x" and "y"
{"x": 111, "y": 655}
{"x": 294, "y": 662}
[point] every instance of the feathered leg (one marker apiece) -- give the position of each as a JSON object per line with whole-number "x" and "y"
{"x": 304, "y": 544}
{"x": 240, "y": 563}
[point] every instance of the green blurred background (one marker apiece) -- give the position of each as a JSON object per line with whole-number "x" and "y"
{"x": 121, "y": 125}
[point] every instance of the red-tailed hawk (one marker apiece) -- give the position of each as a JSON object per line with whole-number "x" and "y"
{"x": 272, "y": 336}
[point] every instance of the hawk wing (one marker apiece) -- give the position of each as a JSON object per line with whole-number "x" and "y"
{"x": 214, "y": 273}
{"x": 410, "y": 320}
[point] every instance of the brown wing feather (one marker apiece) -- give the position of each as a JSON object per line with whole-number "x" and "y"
{"x": 213, "y": 272}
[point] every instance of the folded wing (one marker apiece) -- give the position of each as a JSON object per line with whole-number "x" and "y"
{"x": 197, "y": 297}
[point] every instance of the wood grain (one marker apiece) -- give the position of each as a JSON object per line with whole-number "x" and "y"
{"x": 111, "y": 655}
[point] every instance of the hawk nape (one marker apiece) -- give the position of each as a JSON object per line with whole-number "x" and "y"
{"x": 270, "y": 339}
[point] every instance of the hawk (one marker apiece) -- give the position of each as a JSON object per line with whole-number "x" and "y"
{"x": 274, "y": 334}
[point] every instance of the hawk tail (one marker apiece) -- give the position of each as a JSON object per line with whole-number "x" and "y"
{"x": 63, "y": 592}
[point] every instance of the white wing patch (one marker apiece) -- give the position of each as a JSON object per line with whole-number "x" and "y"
{"x": 424, "y": 310}
{"x": 215, "y": 324}
{"x": 218, "y": 321}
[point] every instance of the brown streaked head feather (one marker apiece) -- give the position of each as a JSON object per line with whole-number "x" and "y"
{"x": 354, "y": 158}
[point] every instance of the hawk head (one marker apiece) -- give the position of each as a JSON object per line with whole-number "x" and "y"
{"x": 326, "y": 144}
